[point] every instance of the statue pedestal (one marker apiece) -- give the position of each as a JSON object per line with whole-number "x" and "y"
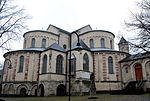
{"x": 92, "y": 97}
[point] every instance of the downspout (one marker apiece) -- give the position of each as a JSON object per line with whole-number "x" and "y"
{"x": 38, "y": 90}
{"x": 58, "y": 39}
{"x": 93, "y": 63}
{"x": 66, "y": 71}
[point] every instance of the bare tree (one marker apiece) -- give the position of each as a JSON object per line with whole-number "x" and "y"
{"x": 141, "y": 23}
{"x": 12, "y": 22}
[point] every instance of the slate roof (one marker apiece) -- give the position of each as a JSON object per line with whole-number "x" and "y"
{"x": 122, "y": 40}
{"x": 34, "y": 49}
{"x": 55, "y": 46}
{"x": 82, "y": 44}
{"x": 27, "y": 49}
{"x": 97, "y": 31}
{"x": 102, "y": 49}
{"x": 136, "y": 57}
{"x": 106, "y": 50}
{"x": 39, "y": 31}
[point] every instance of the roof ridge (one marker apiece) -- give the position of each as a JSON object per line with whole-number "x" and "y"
{"x": 84, "y": 27}
{"x": 62, "y": 30}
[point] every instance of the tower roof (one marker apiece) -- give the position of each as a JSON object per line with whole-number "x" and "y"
{"x": 122, "y": 40}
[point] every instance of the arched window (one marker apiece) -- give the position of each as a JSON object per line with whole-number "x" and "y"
{"x": 43, "y": 43}
{"x": 73, "y": 64}
{"x": 111, "y": 45}
{"x": 85, "y": 63}
{"x": 110, "y": 65}
{"x": 33, "y": 43}
{"x": 91, "y": 43}
{"x": 44, "y": 66}
{"x": 126, "y": 69}
{"x": 102, "y": 43}
{"x": 21, "y": 64}
{"x": 59, "y": 64}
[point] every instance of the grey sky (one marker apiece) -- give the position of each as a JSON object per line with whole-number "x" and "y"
{"x": 73, "y": 14}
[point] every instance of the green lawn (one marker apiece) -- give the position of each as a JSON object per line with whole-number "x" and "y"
{"x": 101, "y": 97}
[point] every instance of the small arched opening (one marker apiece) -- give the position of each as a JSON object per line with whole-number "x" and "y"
{"x": 61, "y": 90}
{"x": 41, "y": 88}
{"x": 23, "y": 92}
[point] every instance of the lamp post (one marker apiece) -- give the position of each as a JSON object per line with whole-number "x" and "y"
{"x": 76, "y": 48}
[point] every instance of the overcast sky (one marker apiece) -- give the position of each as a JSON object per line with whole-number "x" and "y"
{"x": 71, "y": 15}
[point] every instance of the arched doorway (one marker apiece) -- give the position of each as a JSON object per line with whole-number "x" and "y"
{"x": 41, "y": 88}
{"x": 23, "y": 92}
{"x": 35, "y": 93}
{"x": 5, "y": 89}
{"x": 61, "y": 90}
{"x": 138, "y": 72}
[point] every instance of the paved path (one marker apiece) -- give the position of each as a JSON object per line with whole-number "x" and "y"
{"x": 102, "y": 97}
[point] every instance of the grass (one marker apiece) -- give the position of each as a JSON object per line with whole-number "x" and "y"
{"x": 101, "y": 97}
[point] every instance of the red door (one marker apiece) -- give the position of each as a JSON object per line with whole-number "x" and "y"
{"x": 138, "y": 72}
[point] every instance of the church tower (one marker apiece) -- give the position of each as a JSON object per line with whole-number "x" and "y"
{"x": 123, "y": 45}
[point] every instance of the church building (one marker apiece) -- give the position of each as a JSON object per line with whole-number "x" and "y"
{"x": 41, "y": 68}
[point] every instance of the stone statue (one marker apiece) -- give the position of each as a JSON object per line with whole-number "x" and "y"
{"x": 92, "y": 87}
